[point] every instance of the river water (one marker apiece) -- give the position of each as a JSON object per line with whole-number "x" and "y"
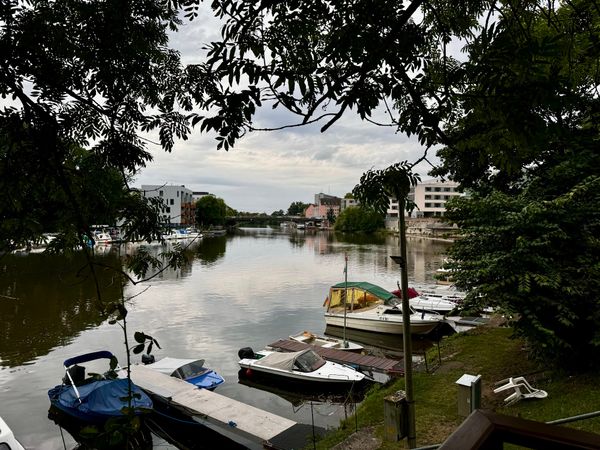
{"x": 247, "y": 289}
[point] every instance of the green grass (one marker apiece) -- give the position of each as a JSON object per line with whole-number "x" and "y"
{"x": 495, "y": 355}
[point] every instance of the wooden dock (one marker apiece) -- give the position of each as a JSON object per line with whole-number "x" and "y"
{"x": 244, "y": 424}
{"x": 363, "y": 362}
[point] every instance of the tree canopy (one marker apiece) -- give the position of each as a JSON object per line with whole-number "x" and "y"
{"x": 515, "y": 118}
{"x": 359, "y": 219}
{"x": 515, "y": 115}
{"x": 80, "y": 75}
{"x": 297, "y": 209}
{"x": 210, "y": 211}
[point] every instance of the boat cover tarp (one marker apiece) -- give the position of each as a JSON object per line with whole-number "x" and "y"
{"x": 360, "y": 295}
{"x": 100, "y": 398}
{"x": 280, "y": 360}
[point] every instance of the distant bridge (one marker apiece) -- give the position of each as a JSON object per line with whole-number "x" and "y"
{"x": 264, "y": 219}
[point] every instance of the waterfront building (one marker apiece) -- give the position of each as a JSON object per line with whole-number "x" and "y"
{"x": 178, "y": 201}
{"x": 430, "y": 197}
{"x": 348, "y": 202}
{"x": 323, "y": 203}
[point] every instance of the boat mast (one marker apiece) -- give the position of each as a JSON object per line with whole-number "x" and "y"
{"x": 345, "y": 296}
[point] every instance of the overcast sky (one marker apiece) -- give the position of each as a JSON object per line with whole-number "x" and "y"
{"x": 266, "y": 171}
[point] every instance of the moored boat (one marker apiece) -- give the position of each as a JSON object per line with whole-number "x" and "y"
{"x": 368, "y": 307}
{"x": 94, "y": 397}
{"x": 190, "y": 370}
{"x": 306, "y": 337}
{"x": 7, "y": 438}
{"x": 305, "y": 367}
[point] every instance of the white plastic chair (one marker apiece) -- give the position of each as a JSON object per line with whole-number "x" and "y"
{"x": 523, "y": 390}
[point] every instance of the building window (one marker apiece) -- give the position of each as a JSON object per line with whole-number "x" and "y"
{"x": 438, "y": 189}
{"x": 427, "y": 189}
{"x": 168, "y": 209}
{"x": 394, "y": 214}
{"x": 437, "y": 205}
{"x": 177, "y": 193}
{"x": 428, "y": 197}
{"x": 427, "y": 205}
{"x": 394, "y": 207}
{"x": 436, "y": 197}
{"x": 171, "y": 201}
{"x": 160, "y": 193}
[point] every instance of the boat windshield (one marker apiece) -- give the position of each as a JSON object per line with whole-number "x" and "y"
{"x": 309, "y": 362}
{"x": 190, "y": 370}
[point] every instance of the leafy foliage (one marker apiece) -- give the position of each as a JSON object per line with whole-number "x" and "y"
{"x": 378, "y": 187}
{"x": 210, "y": 210}
{"x": 81, "y": 75}
{"x": 321, "y": 59}
{"x": 297, "y": 209}
{"x": 527, "y": 146}
{"x": 359, "y": 219}
{"x": 331, "y": 216}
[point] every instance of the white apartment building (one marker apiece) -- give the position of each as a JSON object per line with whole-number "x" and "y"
{"x": 430, "y": 196}
{"x": 178, "y": 201}
{"x": 348, "y": 202}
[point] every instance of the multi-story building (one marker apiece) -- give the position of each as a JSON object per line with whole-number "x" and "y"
{"x": 197, "y": 195}
{"x": 430, "y": 198}
{"x": 323, "y": 204}
{"x": 348, "y": 202}
{"x": 178, "y": 201}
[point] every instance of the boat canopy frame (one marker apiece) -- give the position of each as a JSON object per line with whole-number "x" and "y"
{"x": 360, "y": 294}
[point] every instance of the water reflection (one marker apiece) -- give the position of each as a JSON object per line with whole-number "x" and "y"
{"x": 361, "y": 239}
{"x": 95, "y": 437}
{"x": 211, "y": 250}
{"x": 348, "y": 400}
{"x": 46, "y": 301}
{"x": 249, "y": 289}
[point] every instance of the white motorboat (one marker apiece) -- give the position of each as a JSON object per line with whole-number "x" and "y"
{"x": 102, "y": 238}
{"x": 304, "y": 366}
{"x": 432, "y": 304}
{"x": 7, "y": 438}
{"x": 439, "y": 304}
{"x": 365, "y": 306}
{"x": 306, "y": 337}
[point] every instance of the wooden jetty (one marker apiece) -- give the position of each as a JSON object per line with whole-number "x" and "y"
{"x": 363, "y": 362}
{"x": 244, "y": 424}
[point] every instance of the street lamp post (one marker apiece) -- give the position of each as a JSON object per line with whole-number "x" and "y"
{"x": 406, "y": 336}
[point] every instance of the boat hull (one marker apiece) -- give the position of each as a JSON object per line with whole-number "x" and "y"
{"x": 296, "y": 384}
{"x": 379, "y": 324}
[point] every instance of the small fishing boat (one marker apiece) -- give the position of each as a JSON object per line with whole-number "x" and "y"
{"x": 305, "y": 367}
{"x": 190, "y": 370}
{"x": 306, "y": 337}
{"x": 7, "y": 438}
{"x": 96, "y": 397}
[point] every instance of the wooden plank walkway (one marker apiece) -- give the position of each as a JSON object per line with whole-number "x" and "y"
{"x": 249, "y": 426}
{"x": 364, "y": 362}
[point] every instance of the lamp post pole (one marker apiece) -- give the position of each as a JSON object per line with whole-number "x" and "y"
{"x": 406, "y": 336}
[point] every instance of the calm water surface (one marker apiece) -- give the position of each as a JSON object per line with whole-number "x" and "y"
{"x": 249, "y": 289}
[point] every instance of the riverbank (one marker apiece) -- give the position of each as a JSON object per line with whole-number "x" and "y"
{"x": 487, "y": 351}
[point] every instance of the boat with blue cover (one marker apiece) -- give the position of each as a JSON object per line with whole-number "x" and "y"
{"x": 190, "y": 370}
{"x": 96, "y": 397}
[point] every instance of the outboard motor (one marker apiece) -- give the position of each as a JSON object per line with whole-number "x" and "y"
{"x": 147, "y": 359}
{"x": 246, "y": 353}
